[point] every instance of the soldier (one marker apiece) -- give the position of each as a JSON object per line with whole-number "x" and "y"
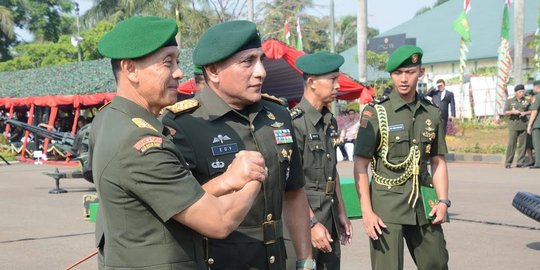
{"x": 517, "y": 109}
{"x": 399, "y": 136}
{"x": 316, "y": 134}
{"x": 533, "y": 127}
{"x": 153, "y": 212}
{"x": 229, "y": 116}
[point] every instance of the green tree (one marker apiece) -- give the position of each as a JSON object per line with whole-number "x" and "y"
{"x": 346, "y": 33}
{"x": 43, "y": 54}
{"x": 91, "y": 38}
{"x": 7, "y": 36}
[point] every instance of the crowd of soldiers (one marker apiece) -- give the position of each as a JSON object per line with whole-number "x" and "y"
{"x": 231, "y": 179}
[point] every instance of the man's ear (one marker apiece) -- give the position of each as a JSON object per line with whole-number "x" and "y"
{"x": 212, "y": 72}
{"x": 128, "y": 66}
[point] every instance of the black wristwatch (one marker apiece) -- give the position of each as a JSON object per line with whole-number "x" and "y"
{"x": 313, "y": 221}
{"x": 447, "y": 202}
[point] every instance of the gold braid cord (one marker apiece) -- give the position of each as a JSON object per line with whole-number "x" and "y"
{"x": 410, "y": 165}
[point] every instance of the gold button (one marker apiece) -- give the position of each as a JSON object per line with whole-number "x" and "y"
{"x": 328, "y": 156}
{"x": 389, "y": 187}
{"x": 414, "y": 141}
{"x": 332, "y": 200}
{"x": 272, "y": 259}
{"x": 268, "y": 217}
{"x": 316, "y": 147}
{"x": 397, "y": 138}
{"x": 252, "y": 127}
{"x": 329, "y": 178}
{"x": 210, "y": 261}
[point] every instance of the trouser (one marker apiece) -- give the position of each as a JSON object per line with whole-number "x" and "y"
{"x": 347, "y": 149}
{"x": 517, "y": 140}
{"x": 426, "y": 245}
{"x": 536, "y": 144}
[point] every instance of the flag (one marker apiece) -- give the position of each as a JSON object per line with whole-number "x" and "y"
{"x": 467, "y": 6}
{"x": 461, "y": 26}
{"x": 299, "y": 44}
{"x": 537, "y": 51}
{"x": 287, "y": 33}
{"x": 504, "y": 63}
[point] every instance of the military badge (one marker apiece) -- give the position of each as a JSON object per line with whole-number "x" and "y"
{"x": 414, "y": 58}
{"x": 286, "y": 154}
{"x": 224, "y": 149}
{"x": 367, "y": 114}
{"x": 428, "y": 149}
{"x": 220, "y": 138}
{"x": 143, "y": 124}
{"x": 271, "y": 116}
{"x": 218, "y": 164}
{"x": 148, "y": 142}
{"x": 283, "y": 136}
{"x": 429, "y": 135}
{"x": 277, "y": 124}
{"x": 428, "y": 122}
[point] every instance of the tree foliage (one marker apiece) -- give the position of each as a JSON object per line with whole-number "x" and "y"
{"x": 346, "y": 33}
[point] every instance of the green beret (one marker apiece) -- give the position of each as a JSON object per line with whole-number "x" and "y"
{"x": 197, "y": 70}
{"x": 404, "y": 56}
{"x": 138, "y": 36}
{"x": 319, "y": 63}
{"x": 225, "y": 39}
{"x": 537, "y": 82}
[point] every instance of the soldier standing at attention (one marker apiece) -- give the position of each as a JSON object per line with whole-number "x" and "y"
{"x": 533, "y": 127}
{"x": 517, "y": 109}
{"x": 316, "y": 134}
{"x": 398, "y": 136}
{"x": 153, "y": 212}
{"x": 227, "y": 116}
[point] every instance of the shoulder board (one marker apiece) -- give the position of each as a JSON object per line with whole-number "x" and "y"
{"x": 272, "y": 98}
{"x": 105, "y": 105}
{"x": 183, "y": 106}
{"x": 427, "y": 100}
{"x": 378, "y": 101}
{"x": 143, "y": 124}
{"x": 296, "y": 112}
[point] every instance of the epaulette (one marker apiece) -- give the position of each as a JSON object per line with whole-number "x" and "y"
{"x": 105, "y": 105}
{"x": 272, "y": 98}
{"x": 296, "y": 112}
{"x": 378, "y": 101}
{"x": 428, "y": 100}
{"x": 143, "y": 124}
{"x": 183, "y": 106}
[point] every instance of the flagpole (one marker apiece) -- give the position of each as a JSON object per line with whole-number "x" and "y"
{"x": 519, "y": 10}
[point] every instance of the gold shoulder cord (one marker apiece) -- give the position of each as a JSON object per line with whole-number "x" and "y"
{"x": 411, "y": 164}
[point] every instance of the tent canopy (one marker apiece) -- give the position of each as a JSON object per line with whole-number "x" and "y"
{"x": 284, "y": 79}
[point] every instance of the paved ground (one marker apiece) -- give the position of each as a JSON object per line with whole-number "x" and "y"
{"x": 43, "y": 231}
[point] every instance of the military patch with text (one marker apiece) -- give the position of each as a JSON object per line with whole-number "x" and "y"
{"x": 148, "y": 142}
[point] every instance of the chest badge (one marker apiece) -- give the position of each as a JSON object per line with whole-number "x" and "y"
{"x": 221, "y": 138}
{"x": 270, "y": 116}
{"x": 277, "y": 124}
{"x": 224, "y": 149}
{"x": 283, "y": 136}
{"x": 286, "y": 154}
{"x": 218, "y": 164}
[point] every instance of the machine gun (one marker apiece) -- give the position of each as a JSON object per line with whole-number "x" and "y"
{"x": 75, "y": 146}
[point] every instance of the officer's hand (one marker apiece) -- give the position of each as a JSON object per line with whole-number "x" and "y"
{"x": 439, "y": 211}
{"x": 320, "y": 238}
{"x": 529, "y": 130}
{"x": 373, "y": 225}
{"x": 346, "y": 229}
{"x": 246, "y": 166}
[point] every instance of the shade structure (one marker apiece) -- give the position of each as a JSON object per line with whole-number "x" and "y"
{"x": 284, "y": 79}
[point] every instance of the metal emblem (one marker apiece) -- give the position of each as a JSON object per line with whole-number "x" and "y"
{"x": 221, "y": 138}
{"x": 218, "y": 164}
{"x": 428, "y": 149}
{"x": 429, "y": 135}
{"x": 428, "y": 122}
{"x": 414, "y": 58}
{"x": 271, "y": 116}
{"x": 277, "y": 124}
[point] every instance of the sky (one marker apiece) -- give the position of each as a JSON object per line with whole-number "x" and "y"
{"x": 382, "y": 14}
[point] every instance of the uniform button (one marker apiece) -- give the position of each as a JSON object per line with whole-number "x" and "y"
{"x": 389, "y": 187}
{"x": 414, "y": 141}
{"x": 397, "y": 138}
{"x": 413, "y": 118}
{"x": 268, "y": 217}
{"x": 332, "y": 200}
{"x": 328, "y": 156}
{"x": 272, "y": 259}
{"x": 329, "y": 178}
{"x": 316, "y": 147}
{"x": 210, "y": 261}
{"x": 252, "y": 127}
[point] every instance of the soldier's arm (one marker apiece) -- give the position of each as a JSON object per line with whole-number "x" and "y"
{"x": 440, "y": 182}
{"x": 533, "y": 116}
{"x": 345, "y": 223}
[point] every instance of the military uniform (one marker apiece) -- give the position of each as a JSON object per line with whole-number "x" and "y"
{"x": 209, "y": 133}
{"x": 317, "y": 138}
{"x": 416, "y": 124}
{"x": 133, "y": 161}
{"x": 517, "y": 131}
{"x": 536, "y": 130}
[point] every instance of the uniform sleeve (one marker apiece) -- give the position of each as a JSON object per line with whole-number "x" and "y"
{"x": 157, "y": 176}
{"x": 438, "y": 147}
{"x": 368, "y": 133}
{"x": 299, "y": 134}
{"x": 296, "y": 172}
{"x": 536, "y": 105}
{"x": 507, "y": 105}
{"x": 180, "y": 140}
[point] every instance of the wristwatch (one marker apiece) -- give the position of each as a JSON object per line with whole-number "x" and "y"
{"x": 313, "y": 221}
{"x": 306, "y": 264}
{"x": 446, "y": 201}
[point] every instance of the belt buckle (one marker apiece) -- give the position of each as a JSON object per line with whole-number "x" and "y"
{"x": 269, "y": 228}
{"x": 330, "y": 188}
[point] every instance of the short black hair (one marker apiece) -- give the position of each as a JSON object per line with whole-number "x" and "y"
{"x": 441, "y": 81}
{"x": 115, "y": 64}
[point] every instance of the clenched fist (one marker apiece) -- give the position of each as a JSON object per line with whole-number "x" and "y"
{"x": 247, "y": 166}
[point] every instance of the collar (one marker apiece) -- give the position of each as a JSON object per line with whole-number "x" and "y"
{"x": 135, "y": 111}
{"x": 311, "y": 113}
{"x": 215, "y": 107}
{"x": 397, "y": 102}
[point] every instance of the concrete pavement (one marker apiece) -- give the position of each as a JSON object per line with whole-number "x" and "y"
{"x": 43, "y": 231}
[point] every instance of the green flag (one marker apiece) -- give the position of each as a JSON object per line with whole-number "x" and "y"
{"x": 461, "y": 26}
{"x": 505, "y": 28}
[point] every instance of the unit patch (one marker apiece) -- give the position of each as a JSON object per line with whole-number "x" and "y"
{"x": 148, "y": 142}
{"x": 218, "y": 164}
{"x": 224, "y": 149}
{"x": 367, "y": 113}
{"x": 283, "y": 136}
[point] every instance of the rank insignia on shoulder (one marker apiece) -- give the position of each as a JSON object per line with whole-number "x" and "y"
{"x": 148, "y": 142}
{"x": 367, "y": 114}
{"x": 183, "y": 106}
{"x": 143, "y": 124}
{"x": 272, "y": 98}
{"x": 296, "y": 112}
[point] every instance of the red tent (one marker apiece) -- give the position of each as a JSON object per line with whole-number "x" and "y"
{"x": 285, "y": 80}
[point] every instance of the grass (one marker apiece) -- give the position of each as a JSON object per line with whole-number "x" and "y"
{"x": 481, "y": 139}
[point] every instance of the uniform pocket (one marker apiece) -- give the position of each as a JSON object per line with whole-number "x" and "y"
{"x": 317, "y": 150}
